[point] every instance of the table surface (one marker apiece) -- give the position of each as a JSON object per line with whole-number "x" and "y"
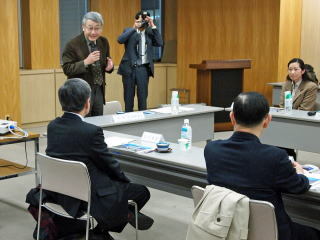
{"x": 13, "y": 169}
{"x": 177, "y": 171}
{"x": 107, "y": 120}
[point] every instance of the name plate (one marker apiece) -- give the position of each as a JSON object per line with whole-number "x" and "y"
{"x": 152, "y": 137}
{"x": 128, "y": 117}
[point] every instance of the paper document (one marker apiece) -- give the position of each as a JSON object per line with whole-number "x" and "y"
{"x": 116, "y": 141}
{"x": 314, "y": 180}
{"x": 168, "y": 109}
{"x": 134, "y": 147}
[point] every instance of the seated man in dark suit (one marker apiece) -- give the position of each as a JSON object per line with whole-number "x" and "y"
{"x": 69, "y": 137}
{"x": 262, "y": 172}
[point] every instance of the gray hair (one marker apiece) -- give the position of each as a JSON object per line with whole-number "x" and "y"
{"x": 73, "y": 95}
{"x": 93, "y": 16}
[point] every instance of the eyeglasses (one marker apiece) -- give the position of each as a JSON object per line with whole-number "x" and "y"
{"x": 91, "y": 29}
{"x": 293, "y": 69}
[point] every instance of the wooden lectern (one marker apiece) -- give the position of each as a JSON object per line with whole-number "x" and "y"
{"x": 218, "y": 83}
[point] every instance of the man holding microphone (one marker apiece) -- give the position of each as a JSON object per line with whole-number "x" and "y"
{"x": 87, "y": 56}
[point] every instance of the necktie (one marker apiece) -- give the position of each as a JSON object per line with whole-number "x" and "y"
{"x": 140, "y": 53}
{"x": 96, "y": 67}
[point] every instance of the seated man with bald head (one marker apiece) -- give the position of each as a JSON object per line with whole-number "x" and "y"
{"x": 261, "y": 172}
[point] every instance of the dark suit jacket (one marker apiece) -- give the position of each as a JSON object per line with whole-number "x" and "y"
{"x": 130, "y": 39}
{"x": 304, "y": 98}
{"x": 72, "y": 139}
{"x": 259, "y": 171}
{"x": 76, "y": 51}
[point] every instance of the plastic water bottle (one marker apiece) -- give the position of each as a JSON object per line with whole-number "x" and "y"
{"x": 288, "y": 101}
{"x": 186, "y": 133}
{"x": 174, "y": 102}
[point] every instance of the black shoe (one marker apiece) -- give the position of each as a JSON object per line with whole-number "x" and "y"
{"x": 144, "y": 222}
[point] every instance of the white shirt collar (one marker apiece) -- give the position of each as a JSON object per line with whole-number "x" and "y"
{"x": 80, "y": 116}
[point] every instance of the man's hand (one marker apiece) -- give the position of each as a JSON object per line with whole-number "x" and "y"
{"x": 150, "y": 21}
{"x": 92, "y": 58}
{"x": 109, "y": 64}
{"x": 298, "y": 168}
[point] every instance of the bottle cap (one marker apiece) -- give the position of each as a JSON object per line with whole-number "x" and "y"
{"x": 186, "y": 121}
{"x": 287, "y": 95}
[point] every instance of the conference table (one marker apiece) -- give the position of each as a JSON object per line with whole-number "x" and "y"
{"x": 177, "y": 171}
{"x": 201, "y": 119}
{"x": 295, "y": 130}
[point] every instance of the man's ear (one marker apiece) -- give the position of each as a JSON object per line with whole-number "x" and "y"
{"x": 233, "y": 120}
{"x": 267, "y": 120}
{"x": 87, "y": 106}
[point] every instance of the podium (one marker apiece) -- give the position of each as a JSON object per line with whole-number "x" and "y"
{"x": 218, "y": 83}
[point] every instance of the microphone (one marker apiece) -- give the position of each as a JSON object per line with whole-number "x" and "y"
{"x": 93, "y": 48}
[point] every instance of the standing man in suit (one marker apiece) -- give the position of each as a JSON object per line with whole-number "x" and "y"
{"x": 69, "y": 137}
{"x": 87, "y": 56}
{"x": 137, "y": 64}
{"x": 262, "y": 172}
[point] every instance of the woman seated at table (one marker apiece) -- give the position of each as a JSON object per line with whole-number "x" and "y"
{"x": 303, "y": 88}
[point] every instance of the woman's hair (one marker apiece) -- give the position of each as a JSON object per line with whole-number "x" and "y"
{"x": 305, "y": 77}
{"x": 311, "y": 74}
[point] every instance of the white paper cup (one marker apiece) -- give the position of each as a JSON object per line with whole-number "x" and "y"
{"x": 184, "y": 144}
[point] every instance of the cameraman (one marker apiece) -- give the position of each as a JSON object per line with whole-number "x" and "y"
{"x": 137, "y": 64}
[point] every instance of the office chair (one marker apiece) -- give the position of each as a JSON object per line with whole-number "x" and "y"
{"x": 112, "y": 107}
{"x": 262, "y": 219}
{"x": 69, "y": 178}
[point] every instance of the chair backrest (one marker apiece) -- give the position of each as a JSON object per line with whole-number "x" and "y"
{"x": 262, "y": 220}
{"x": 112, "y": 107}
{"x": 64, "y": 176}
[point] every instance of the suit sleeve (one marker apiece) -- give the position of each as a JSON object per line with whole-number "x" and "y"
{"x": 309, "y": 98}
{"x": 126, "y": 34}
{"x": 108, "y": 54}
{"x": 104, "y": 160}
{"x": 71, "y": 64}
{"x": 286, "y": 178}
{"x": 156, "y": 38}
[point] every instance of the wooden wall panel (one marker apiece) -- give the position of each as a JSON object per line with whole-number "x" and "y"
{"x": 310, "y": 34}
{"x": 9, "y": 61}
{"x": 42, "y": 34}
{"x": 289, "y": 35}
{"x": 37, "y": 96}
{"x": 60, "y": 78}
{"x": 117, "y": 15}
{"x": 229, "y": 29}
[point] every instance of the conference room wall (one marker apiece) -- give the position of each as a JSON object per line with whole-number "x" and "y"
{"x": 118, "y": 15}
{"x": 41, "y": 42}
{"x": 9, "y": 61}
{"x": 310, "y": 34}
{"x": 234, "y": 29}
{"x": 39, "y": 91}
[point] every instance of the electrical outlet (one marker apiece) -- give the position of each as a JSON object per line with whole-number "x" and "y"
{"x": 7, "y": 117}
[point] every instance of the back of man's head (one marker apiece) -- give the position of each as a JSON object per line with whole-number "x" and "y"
{"x": 250, "y": 108}
{"x": 73, "y": 95}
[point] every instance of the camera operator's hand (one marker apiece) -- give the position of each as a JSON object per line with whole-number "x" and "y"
{"x": 93, "y": 57}
{"x": 150, "y": 21}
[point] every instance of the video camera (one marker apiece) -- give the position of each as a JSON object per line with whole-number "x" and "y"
{"x": 144, "y": 22}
